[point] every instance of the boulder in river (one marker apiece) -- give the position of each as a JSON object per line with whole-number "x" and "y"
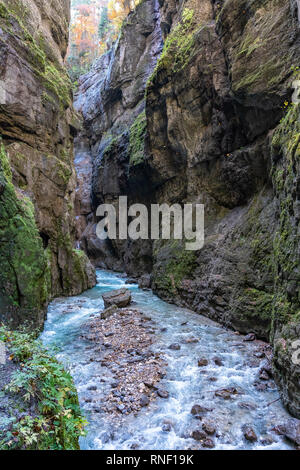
{"x": 290, "y": 430}
{"x": 199, "y": 435}
{"x": 175, "y": 347}
{"x": 198, "y": 410}
{"x": 202, "y": 362}
{"x": 162, "y": 393}
{"x": 120, "y": 298}
{"x": 209, "y": 428}
{"x": 226, "y": 393}
{"x": 208, "y": 444}
{"x": 145, "y": 281}
{"x": 249, "y": 433}
{"x": 250, "y": 337}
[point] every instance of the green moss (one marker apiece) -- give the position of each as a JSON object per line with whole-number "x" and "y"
{"x": 137, "y": 139}
{"x": 249, "y": 45}
{"x": 5, "y": 166}
{"x": 180, "y": 265}
{"x": 53, "y": 76}
{"x": 257, "y": 303}
{"x": 268, "y": 73}
{"x": 57, "y": 422}
{"x": 64, "y": 171}
{"x": 24, "y": 275}
{"x": 286, "y": 154}
{"x": 179, "y": 45}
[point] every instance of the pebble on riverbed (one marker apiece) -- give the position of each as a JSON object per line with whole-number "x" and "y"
{"x": 135, "y": 368}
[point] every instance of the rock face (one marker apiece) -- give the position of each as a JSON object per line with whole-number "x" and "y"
{"x": 219, "y": 129}
{"x": 110, "y": 150}
{"x": 37, "y": 177}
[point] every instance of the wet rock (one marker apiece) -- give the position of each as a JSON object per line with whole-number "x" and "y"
{"x": 263, "y": 375}
{"x": 290, "y": 430}
{"x": 121, "y": 408}
{"x": 209, "y": 428}
{"x": 218, "y": 361}
{"x": 250, "y": 337}
{"x": 163, "y": 393}
{"x": 208, "y": 444}
{"x": 175, "y": 347}
{"x": 202, "y": 362}
{"x": 167, "y": 427}
{"x": 259, "y": 354}
{"x": 226, "y": 393}
{"x": 108, "y": 312}
{"x": 198, "y": 435}
{"x": 266, "y": 369}
{"x": 163, "y": 330}
{"x": 249, "y": 433}
{"x": 198, "y": 410}
{"x": 191, "y": 340}
{"x": 107, "y": 335}
{"x": 144, "y": 400}
{"x": 267, "y": 440}
{"x": 92, "y": 388}
{"x": 135, "y": 446}
{"x": 247, "y": 406}
{"x": 121, "y": 298}
{"x": 261, "y": 387}
{"x": 145, "y": 281}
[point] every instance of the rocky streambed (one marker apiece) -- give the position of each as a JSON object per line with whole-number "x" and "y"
{"x": 156, "y": 376}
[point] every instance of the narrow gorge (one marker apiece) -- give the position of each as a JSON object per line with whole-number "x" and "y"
{"x": 195, "y": 102}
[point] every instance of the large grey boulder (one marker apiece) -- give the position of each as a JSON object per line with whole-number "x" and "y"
{"x": 120, "y": 298}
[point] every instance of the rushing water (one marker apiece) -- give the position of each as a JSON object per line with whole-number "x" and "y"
{"x": 186, "y": 382}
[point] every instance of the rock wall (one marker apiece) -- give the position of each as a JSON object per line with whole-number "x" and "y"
{"x": 109, "y": 153}
{"x": 219, "y": 128}
{"x": 37, "y": 176}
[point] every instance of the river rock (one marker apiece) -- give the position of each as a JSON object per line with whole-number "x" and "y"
{"x": 208, "y": 444}
{"x": 202, "y": 362}
{"x": 145, "y": 281}
{"x": 250, "y": 337}
{"x": 218, "y": 361}
{"x": 167, "y": 427}
{"x": 175, "y": 347}
{"x": 198, "y": 410}
{"x": 291, "y": 430}
{"x": 144, "y": 400}
{"x": 108, "y": 312}
{"x": 249, "y": 433}
{"x": 226, "y": 393}
{"x": 198, "y": 435}
{"x": 120, "y": 298}
{"x": 209, "y": 428}
{"x": 163, "y": 393}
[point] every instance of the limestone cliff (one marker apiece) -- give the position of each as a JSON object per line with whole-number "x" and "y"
{"x": 37, "y": 177}
{"x": 220, "y": 129}
{"x": 109, "y": 153}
